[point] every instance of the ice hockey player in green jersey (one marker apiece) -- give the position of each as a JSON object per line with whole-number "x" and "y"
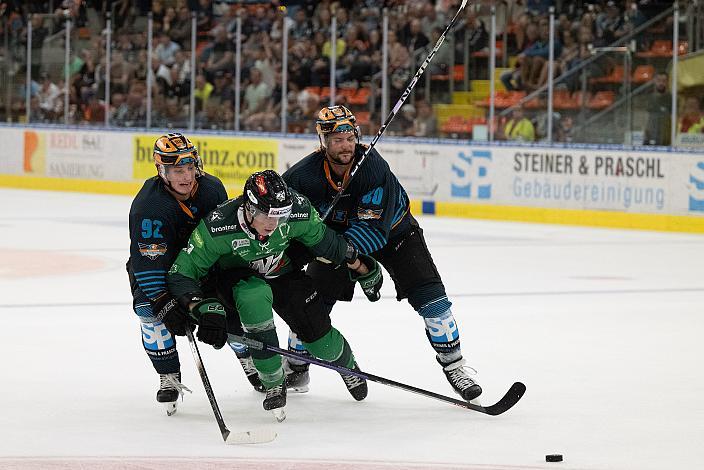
{"x": 252, "y": 233}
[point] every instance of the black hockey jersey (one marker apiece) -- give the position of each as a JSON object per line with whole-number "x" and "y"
{"x": 160, "y": 226}
{"x": 372, "y": 210}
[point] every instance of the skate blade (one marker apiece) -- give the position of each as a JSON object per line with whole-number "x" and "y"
{"x": 170, "y": 407}
{"x": 256, "y": 436}
{"x": 279, "y": 414}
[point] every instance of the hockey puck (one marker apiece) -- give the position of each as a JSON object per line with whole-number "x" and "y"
{"x": 553, "y": 458}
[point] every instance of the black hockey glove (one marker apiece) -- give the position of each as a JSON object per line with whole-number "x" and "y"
{"x": 166, "y": 309}
{"x": 212, "y": 322}
{"x": 370, "y": 282}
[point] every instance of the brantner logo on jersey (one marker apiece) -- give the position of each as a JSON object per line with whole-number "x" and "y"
{"x": 152, "y": 250}
{"x": 470, "y": 175}
{"x": 696, "y": 188}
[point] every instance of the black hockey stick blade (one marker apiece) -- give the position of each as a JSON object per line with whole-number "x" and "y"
{"x": 510, "y": 398}
{"x": 506, "y": 403}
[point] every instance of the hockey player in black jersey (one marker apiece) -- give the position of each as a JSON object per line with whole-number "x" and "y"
{"x": 374, "y": 215}
{"x": 162, "y": 217}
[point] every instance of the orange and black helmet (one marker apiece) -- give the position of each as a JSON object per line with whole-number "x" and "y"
{"x": 335, "y": 119}
{"x": 175, "y": 149}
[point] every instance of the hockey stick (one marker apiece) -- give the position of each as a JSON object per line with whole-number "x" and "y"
{"x": 509, "y": 399}
{"x": 394, "y": 111}
{"x": 247, "y": 437}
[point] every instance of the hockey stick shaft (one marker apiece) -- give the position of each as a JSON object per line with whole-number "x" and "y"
{"x": 512, "y": 396}
{"x": 206, "y": 384}
{"x": 404, "y": 96}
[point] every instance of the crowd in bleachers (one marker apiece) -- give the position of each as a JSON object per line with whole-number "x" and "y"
{"x": 414, "y": 27}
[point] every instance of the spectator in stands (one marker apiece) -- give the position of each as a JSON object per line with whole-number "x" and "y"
{"x": 121, "y": 74}
{"x": 534, "y": 57}
{"x": 222, "y": 89}
{"x": 264, "y": 61}
{"x": 202, "y": 91}
{"x": 477, "y": 33}
{"x": 512, "y": 79}
{"x": 204, "y": 14}
{"x": 158, "y": 13}
{"x": 657, "y": 129}
{"x": 519, "y": 127}
{"x": 259, "y": 21}
{"x": 565, "y": 129}
{"x": 431, "y": 19}
{"x": 219, "y": 55}
{"x": 322, "y": 19}
{"x": 48, "y": 99}
{"x": 563, "y": 62}
{"x": 180, "y": 31}
{"x": 402, "y": 125}
{"x": 93, "y": 110}
{"x": 425, "y": 124}
{"x": 165, "y": 50}
{"x": 412, "y": 36}
{"x": 632, "y": 19}
{"x": 168, "y": 20}
{"x": 441, "y": 62}
{"x": 607, "y": 23}
{"x": 301, "y": 27}
{"x": 132, "y": 112}
{"x": 692, "y": 119}
{"x": 256, "y": 94}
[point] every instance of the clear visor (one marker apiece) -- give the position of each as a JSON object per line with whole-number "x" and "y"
{"x": 275, "y": 216}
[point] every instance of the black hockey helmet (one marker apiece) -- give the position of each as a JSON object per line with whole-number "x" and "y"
{"x": 266, "y": 193}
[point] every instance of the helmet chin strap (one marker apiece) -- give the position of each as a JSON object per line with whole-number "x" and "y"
{"x": 248, "y": 219}
{"x": 162, "y": 173}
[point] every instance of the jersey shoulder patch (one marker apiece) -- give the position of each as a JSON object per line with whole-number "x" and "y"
{"x": 223, "y": 219}
{"x": 301, "y": 207}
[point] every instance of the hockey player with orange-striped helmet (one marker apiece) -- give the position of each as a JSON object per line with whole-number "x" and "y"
{"x": 178, "y": 163}
{"x": 334, "y": 119}
{"x": 338, "y": 133}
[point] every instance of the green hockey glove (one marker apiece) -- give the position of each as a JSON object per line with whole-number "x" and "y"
{"x": 370, "y": 282}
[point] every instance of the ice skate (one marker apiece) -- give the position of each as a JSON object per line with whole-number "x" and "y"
{"x": 170, "y": 388}
{"x": 297, "y": 377}
{"x": 251, "y": 372}
{"x": 355, "y": 385}
{"x": 275, "y": 401}
{"x": 459, "y": 377}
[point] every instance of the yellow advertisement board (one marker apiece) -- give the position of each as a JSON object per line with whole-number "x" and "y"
{"x": 229, "y": 158}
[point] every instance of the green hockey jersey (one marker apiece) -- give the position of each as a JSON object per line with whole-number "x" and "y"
{"x": 223, "y": 238}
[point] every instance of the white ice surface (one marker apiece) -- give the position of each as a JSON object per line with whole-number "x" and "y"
{"x": 604, "y": 327}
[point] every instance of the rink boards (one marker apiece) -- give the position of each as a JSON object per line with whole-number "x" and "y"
{"x": 609, "y": 186}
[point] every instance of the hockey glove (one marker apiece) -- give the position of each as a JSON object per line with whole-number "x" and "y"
{"x": 370, "y": 282}
{"x": 212, "y": 322}
{"x": 166, "y": 309}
